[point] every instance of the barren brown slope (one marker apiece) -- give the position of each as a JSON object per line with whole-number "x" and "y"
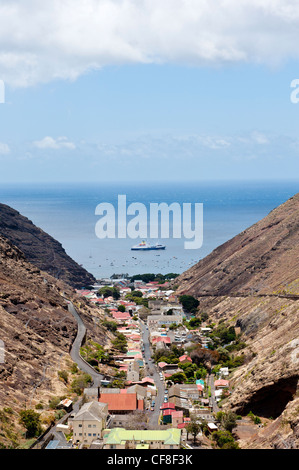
{"x": 41, "y": 249}
{"x": 252, "y": 283}
{"x": 262, "y": 259}
{"x": 37, "y": 331}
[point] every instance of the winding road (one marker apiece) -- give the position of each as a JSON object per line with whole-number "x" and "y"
{"x": 97, "y": 377}
{"x": 75, "y": 351}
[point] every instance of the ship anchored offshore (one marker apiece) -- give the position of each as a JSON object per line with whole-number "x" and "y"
{"x": 143, "y": 246}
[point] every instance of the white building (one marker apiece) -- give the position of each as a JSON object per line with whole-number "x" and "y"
{"x": 89, "y": 422}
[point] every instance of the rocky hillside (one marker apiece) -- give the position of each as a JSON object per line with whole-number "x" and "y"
{"x": 41, "y": 249}
{"x": 37, "y": 331}
{"x": 252, "y": 283}
{"x": 262, "y": 259}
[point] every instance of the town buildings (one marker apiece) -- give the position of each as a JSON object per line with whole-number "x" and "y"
{"x": 110, "y": 411}
{"x": 119, "y": 438}
{"x": 89, "y": 422}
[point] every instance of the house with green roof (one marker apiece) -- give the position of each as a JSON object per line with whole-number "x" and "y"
{"x": 120, "y": 438}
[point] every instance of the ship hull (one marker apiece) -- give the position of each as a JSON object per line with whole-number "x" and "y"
{"x": 148, "y": 248}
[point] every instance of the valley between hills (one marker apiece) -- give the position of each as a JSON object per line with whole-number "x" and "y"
{"x": 250, "y": 283}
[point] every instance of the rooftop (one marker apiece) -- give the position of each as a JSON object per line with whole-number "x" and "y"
{"x": 121, "y": 401}
{"x": 169, "y": 436}
{"x": 92, "y": 411}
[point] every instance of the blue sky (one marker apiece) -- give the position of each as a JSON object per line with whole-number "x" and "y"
{"x": 136, "y": 97}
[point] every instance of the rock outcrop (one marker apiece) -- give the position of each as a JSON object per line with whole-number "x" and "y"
{"x": 251, "y": 282}
{"x": 41, "y": 249}
{"x": 36, "y": 330}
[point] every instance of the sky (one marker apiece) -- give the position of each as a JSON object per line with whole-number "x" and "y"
{"x": 114, "y": 90}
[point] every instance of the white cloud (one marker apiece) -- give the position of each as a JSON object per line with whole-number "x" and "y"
{"x": 260, "y": 138}
{"x": 50, "y": 143}
{"x": 4, "y": 149}
{"x": 45, "y": 40}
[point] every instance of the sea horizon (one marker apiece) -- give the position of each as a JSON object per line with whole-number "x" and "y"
{"x": 67, "y": 212}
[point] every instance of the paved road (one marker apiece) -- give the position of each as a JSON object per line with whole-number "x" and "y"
{"x": 75, "y": 355}
{"x": 75, "y": 351}
{"x": 154, "y": 416}
{"x": 213, "y": 401}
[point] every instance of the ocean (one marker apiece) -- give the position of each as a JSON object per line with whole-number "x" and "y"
{"x": 67, "y": 212}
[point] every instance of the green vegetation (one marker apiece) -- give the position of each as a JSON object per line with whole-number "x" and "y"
{"x": 30, "y": 419}
{"x": 204, "y": 357}
{"x": 193, "y": 427}
{"x": 189, "y": 371}
{"x": 170, "y": 356}
{"x": 224, "y": 341}
{"x": 94, "y": 353}
{"x": 254, "y": 418}
{"x": 137, "y": 297}
{"x": 110, "y": 325}
{"x": 109, "y": 292}
{"x": 63, "y": 375}
{"x": 119, "y": 380}
{"x": 8, "y": 433}
{"x": 151, "y": 277}
{"x": 178, "y": 378}
{"x": 80, "y": 382}
{"x": 189, "y": 303}
{"x": 223, "y": 335}
{"x": 53, "y": 403}
{"x": 192, "y": 324}
{"x": 120, "y": 343}
{"x": 227, "y": 420}
{"x": 225, "y": 440}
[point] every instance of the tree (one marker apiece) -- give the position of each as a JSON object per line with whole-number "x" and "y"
{"x": 109, "y": 292}
{"x": 193, "y": 428}
{"x": 110, "y": 325}
{"x": 63, "y": 375}
{"x": 31, "y": 420}
{"x": 189, "y": 369}
{"x": 224, "y": 440}
{"x": 136, "y": 293}
{"x": 189, "y": 303}
{"x": 178, "y": 378}
{"x": 194, "y": 322}
{"x": 120, "y": 342}
{"x": 228, "y": 420}
{"x": 80, "y": 383}
{"x": 204, "y": 357}
{"x": 121, "y": 308}
{"x": 223, "y": 335}
{"x": 201, "y": 373}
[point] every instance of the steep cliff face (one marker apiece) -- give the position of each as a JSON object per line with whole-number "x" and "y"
{"x": 41, "y": 249}
{"x": 262, "y": 259}
{"x": 36, "y": 330}
{"x": 252, "y": 283}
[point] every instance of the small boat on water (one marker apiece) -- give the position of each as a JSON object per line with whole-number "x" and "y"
{"x": 143, "y": 246}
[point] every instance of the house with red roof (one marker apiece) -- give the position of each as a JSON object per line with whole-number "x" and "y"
{"x": 167, "y": 406}
{"x": 120, "y": 316}
{"x": 121, "y": 403}
{"x": 185, "y": 359}
{"x": 221, "y": 383}
{"x": 164, "y": 339}
{"x": 177, "y": 417}
{"x": 144, "y": 382}
{"x": 165, "y": 367}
